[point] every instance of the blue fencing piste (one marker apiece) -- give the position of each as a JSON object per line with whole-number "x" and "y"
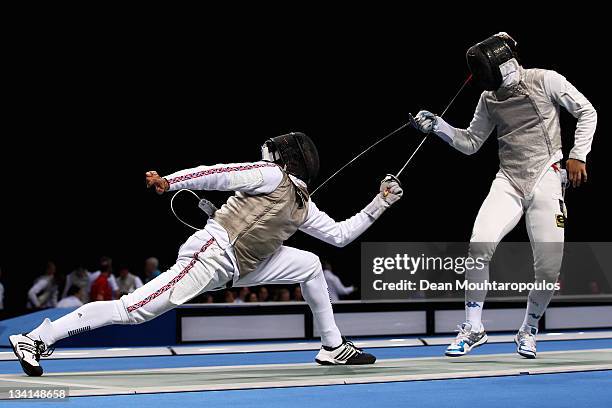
{"x": 157, "y": 332}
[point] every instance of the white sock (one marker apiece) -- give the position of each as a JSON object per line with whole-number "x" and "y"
{"x": 87, "y": 317}
{"x": 473, "y": 314}
{"x": 537, "y": 302}
{"x": 474, "y": 299}
{"x": 316, "y": 295}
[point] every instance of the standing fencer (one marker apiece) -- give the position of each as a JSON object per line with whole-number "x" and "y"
{"x": 241, "y": 245}
{"x": 523, "y": 106}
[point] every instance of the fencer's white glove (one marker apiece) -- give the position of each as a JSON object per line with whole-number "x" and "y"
{"x": 425, "y": 121}
{"x": 390, "y": 192}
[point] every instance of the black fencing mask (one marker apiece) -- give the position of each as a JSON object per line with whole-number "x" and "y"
{"x": 485, "y": 58}
{"x": 294, "y": 151}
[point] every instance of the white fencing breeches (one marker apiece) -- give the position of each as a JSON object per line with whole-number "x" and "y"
{"x": 290, "y": 265}
{"x": 504, "y": 207}
{"x": 501, "y": 211}
{"x": 201, "y": 266}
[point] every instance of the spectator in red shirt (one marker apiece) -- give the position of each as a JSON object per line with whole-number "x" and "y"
{"x": 101, "y": 288}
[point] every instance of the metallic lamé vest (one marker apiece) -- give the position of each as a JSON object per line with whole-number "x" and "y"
{"x": 528, "y": 128}
{"x": 258, "y": 225}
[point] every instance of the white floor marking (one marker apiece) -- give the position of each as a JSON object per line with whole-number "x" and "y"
{"x": 44, "y": 381}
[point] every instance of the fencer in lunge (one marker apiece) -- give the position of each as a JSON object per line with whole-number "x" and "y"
{"x": 241, "y": 245}
{"x": 523, "y": 105}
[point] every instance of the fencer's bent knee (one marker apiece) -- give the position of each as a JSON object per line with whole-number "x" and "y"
{"x": 482, "y": 250}
{"x": 313, "y": 264}
{"x": 548, "y": 274}
{"x": 483, "y": 242}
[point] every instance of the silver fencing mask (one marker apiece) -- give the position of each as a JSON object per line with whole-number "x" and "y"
{"x": 296, "y": 153}
{"x": 485, "y": 58}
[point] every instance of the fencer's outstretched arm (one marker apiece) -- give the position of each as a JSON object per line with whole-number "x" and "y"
{"x": 470, "y": 140}
{"x": 563, "y": 93}
{"x": 252, "y": 178}
{"x": 322, "y": 226}
{"x": 467, "y": 141}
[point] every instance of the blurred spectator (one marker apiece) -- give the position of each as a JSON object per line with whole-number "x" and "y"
{"x": 44, "y": 292}
{"x": 151, "y": 269}
{"x": 106, "y": 267}
{"x": 263, "y": 294}
{"x": 594, "y": 288}
{"x": 297, "y": 294}
{"x": 127, "y": 282}
{"x": 284, "y": 295}
{"x": 229, "y": 296}
{"x": 101, "y": 288}
{"x": 80, "y": 278}
{"x": 1, "y": 294}
{"x": 252, "y": 297}
{"x": 242, "y": 295}
{"x": 73, "y": 298}
{"x": 334, "y": 284}
{"x": 209, "y": 298}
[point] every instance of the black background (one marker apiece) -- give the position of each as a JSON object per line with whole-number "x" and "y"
{"x": 93, "y": 109}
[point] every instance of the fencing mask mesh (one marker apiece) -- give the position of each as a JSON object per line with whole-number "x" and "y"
{"x": 296, "y": 152}
{"x": 484, "y": 59}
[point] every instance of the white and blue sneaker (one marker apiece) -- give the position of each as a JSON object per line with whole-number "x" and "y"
{"x": 526, "y": 341}
{"x": 466, "y": 341}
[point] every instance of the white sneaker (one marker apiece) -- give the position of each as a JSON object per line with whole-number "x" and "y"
{"x": 344, "y": 354}
{"x": 466, "y": 340}
{"x": 526, "y": 341}
{"x": 29, "y": 352}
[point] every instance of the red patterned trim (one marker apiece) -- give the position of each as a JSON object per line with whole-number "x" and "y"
{"x": 218, "y": 170}
{"x": 173, "y": 282}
